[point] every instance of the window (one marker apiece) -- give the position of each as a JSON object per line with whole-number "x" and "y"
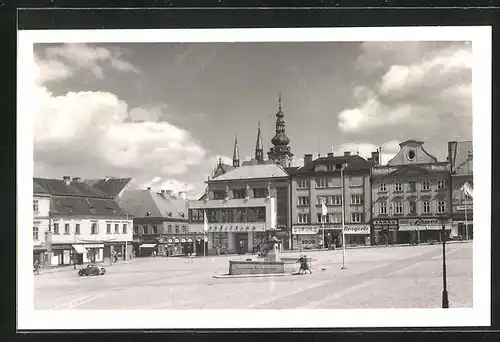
{"x": 329, "y": 167}
{"x": 219, "y": 194}
{"x": 383, "y": 187}
{"x": 356, "y": 199}
{"x": 336, "y": 218}
{"x": 239, "y": 193}
{"x": 413, "y": 208}
{"x": 320, "y": 199}
{"x": 303, "y": 184}
{"x": 77, "y": 229}
{"x": 176, "y": 229}
{"x": 427, "y": 207}
{"x": 426, "y": 185}
{"x": 155, "y": 229}
{"x": 66, "y": 228}
{"x": 35, "y": 233}
{"x": 328, "y": 218}
{"x": 338, "y": 166}
{"x": 196, "y": 215}
{"x": 337, "y": 200}
{"x": 145, "y": 230}
{"x": 356, "y": 217}
{"x": 303, "y": 200}
{"x": 136, "y": 230}
{"x": 321, "y": 182}
{"x": 441, "y": 184}
{"x": 398, "y": 187}
{"x": 303, "y": 218}
{"x": 108, "y": 228}
{"x": 35, "y": 206}
{"x": 398, "y": 208}
{"x": 185, "y": 229}
{"x": 383, "y": 208}
{"x": 93, "y": 228}
{"x": 117, "y": 228}
{"x": 169, "y": 229}
{"x": 259, "y": 192}
{"x": 441, "y": 207}
{"x": 56, "y": 228}
{"x": 124, "y": 228}
{"x": 412, "y": 186}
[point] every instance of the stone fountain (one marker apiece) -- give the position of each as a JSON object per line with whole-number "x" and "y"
{"x": 271, "y": 264}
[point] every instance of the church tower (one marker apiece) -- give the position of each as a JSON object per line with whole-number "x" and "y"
{"x": 280, "y": 153}
{"x": 236, "y": 153}
{"x": 259, "y": 149}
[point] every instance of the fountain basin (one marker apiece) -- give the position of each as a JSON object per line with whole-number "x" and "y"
{"x": 256, "y": 267}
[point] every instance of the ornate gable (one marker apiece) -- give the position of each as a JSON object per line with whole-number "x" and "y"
{"x": 412, "y": 152}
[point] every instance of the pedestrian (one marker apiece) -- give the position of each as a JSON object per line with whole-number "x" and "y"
{"x": 304, "y": 266}
{"x": 36, "y": 267}
{"x": 115, "y": 256}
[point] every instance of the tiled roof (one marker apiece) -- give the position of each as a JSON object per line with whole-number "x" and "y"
{"x": 292, "y": 169}
{"x": 222, "y": 169}
{"x": 355, "y": 163}
{"x": 110, "y": 186}
{"x": 254, "y": 171}
{"x": 139, "y": 202}
{"x": 58, "y": 187}
{"x": 81, "y": 206}
{"x": 38, "y": 189}
{"x": 463, "y": 158}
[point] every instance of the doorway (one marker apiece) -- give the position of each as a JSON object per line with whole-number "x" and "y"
{"x": 241, "y": 243}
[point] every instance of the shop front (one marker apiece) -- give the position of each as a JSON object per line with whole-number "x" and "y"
{"x": 385, "y": 232}
{"x": 311, "y": 237}
{"x": 463, "y": 222}
{"x": 422, "y": 230}
{"x": 356, "y": 234}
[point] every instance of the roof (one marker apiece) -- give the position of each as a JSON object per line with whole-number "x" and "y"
{"x": 110, "y": 186}
{"x": 254, "y": 171}
{"x": 355, "y": 163}
{"x": 85, "y": 206}
{"x": 39, "y": 190}
{"x": 463, "y": 161}
{"x": 139, "y": 202}
{"x": 222, "y": 169}
{"x": 58, "y": 187}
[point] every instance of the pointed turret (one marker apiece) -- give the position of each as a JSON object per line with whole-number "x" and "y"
{"x": 236, "y": 153}
{"x": 280, "y": 152}
{"x": 259, "y": 149}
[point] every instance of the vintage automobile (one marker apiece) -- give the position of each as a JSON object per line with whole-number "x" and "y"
{"x": 91, "y": 269}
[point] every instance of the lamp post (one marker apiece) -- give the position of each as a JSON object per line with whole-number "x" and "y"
{"x": 445, "y": 303}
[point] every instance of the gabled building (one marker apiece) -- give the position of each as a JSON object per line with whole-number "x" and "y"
{"x": 320, "y": 181}
{"x": 410, "y": 196}
{"x": 460, "y": 157}
{"x": 112, "y": 186}
{"x": 244, "y": 207}
{"x": 84, "y": 223}
{"x": 41, "y": 223}
{"x": 160, "y": 222}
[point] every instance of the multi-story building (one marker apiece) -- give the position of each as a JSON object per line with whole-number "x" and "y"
{"x": 244, "y": 207}
{"x": 319, "y": 181}
{"x": 160, "y": 222}
{"x": 41, "y": 237}
{"x": 460, "y": 158}
{"x": 410, "y": 197}
{"x": 85, "y": 224}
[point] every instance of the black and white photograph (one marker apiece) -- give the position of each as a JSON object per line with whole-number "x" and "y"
{"x": 280, "y": 177}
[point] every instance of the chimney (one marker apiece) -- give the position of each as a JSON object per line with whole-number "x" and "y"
{"x": 168, "y": 192}
{"x": 452, "y": 150}
{"x": 376, "y": 157}
{"x": 331, "y": 155}
{"x": 76, "y": 179}
{"x": 347, "y": 153}
{"x": 162, "y": 193}
{"x": 67, "y": 179}
{"x": 308, "y": 158}
{"x": 149, "y": 188}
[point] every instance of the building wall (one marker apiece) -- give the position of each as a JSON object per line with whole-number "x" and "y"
{"x": 41, "y": 220}
{"x": 85, "y": 230}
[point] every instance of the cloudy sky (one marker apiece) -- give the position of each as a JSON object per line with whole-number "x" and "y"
{"x": 164, "y": 113}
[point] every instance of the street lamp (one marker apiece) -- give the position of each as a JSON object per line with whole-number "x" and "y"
{"x": 445, "y": 304}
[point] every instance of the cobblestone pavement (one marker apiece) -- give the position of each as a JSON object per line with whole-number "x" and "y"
{"x": 389, "y": 277}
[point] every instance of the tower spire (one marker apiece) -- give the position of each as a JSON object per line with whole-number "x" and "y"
{"x": 259, "y": 149}
{"x": 236, "y": 152}
{"x": 280, "y": 152}
{"x": 279, "y": 101}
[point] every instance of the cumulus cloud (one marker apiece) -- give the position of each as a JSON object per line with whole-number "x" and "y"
{"x": 60, "y": 62}
{"x": 420, "y": 88}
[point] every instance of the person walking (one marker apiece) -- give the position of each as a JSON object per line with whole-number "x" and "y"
{"x": 36, "y": 267}
{"x": 304, "y": 266}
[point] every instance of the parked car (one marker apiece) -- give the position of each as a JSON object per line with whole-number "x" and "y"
{"x": 91, "y": 269}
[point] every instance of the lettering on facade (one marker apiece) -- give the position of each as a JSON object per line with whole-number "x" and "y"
{"x": 351, "y": 229}
{"x": 93, "y": 245}
{"x": 385, "y": 222}
{"x": 420, "y": 222}
{"x": 464, "y": 207}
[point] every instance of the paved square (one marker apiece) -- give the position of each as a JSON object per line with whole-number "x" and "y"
{"x": 381, "y": 277}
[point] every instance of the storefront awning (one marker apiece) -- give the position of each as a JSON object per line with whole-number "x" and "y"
{"x": 190, "y": 240}
{"x": 148, "y": 245}
{"x": 176, "y": 240}
{"x": 183, "y": 240}
{"x": 170, "y": 240}
{"x": 80, "y": 249}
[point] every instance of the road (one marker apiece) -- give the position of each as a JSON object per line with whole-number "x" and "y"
{"x": 382, "y": 277}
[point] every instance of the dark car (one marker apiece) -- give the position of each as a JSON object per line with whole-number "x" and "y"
{"x": 91, "y": 269}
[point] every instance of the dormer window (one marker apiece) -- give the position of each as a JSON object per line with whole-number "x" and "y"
{"x": 410, "y": 155}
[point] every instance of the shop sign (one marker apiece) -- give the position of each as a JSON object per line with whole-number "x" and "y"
{"x": 305, "y": 230}
{"x": 420, "y": 222}
{"x": 456, "y": 223}
{"x": 357, "y": 229}
{"x": 385, "y": 222}
{"x": 93, "y": 245}
{"x": 464, "y": 207}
